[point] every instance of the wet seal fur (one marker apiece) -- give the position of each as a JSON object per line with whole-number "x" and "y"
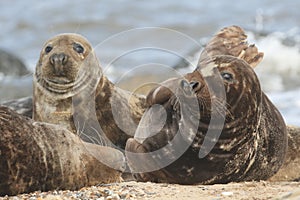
{"x": 68, "y": 84}
{"x": 253, "y": 141}
{"x": 40, "y": 156}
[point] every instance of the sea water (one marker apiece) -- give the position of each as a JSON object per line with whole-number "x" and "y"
{"x": 128, "y": 34}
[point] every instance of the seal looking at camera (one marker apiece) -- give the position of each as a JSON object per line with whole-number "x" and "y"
{"x": 71, "y": 90}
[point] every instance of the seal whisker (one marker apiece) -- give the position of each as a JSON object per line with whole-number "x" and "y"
{"x": 91, "y": 139}
{"x": 98, "y": 137}
{"x": 101, "y": 138}
{"x": 80, "y": 132}
{"x": 223, "y": 108}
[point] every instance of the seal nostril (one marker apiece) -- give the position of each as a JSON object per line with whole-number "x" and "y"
{"x": 53, "y": 58}
{"x": 184, "y": 85}
{"x": 194, "y": 85}
{"x": 63, "y": 58}
{"x": 58, "y": 59}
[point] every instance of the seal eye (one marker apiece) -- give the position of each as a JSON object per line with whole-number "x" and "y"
{"x": 78, "y": 48}
{"x": 48, "y": 49}
{"x": 227, "y": 76}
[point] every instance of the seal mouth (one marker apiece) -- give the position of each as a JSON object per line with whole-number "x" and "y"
{"x": 66, "y": 87}
{"x": 59, "y": 80}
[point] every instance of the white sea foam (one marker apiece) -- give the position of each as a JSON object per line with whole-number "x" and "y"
{"x": 280, "y": 68}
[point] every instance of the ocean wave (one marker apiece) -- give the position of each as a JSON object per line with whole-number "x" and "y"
{"x": 280, "y": 68}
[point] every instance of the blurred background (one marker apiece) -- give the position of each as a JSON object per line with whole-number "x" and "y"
{"x": 117, "y": 31}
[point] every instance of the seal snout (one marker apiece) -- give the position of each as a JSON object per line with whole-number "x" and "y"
{"x": 58, "y": 61}
{"x": 190, "y": 87}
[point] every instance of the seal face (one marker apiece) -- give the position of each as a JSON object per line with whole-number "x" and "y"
{"x": 240, "y": 134}
{"x": 66, "y": 65}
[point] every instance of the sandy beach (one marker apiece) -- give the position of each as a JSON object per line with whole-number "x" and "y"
{"x": 136, "y": 190}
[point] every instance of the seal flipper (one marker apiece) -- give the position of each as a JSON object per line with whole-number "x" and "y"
{"x": 139, "y": 159}
{"x": 232, "y": 41}
{"x": 109, "y": 156}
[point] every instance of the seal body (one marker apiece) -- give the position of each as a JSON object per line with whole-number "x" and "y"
{"x": 290, "y": 170}
{"x": 70, "y": 90}
{"x": 40, "y": 156}
{"x": 240, "y": 135}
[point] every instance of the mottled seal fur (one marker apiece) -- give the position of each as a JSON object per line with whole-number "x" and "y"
{"x": 229, "y": 41}
{"x": 40, "y": 156}
{"x": 251, "y": 146}
{"x": 252, "y": 142}
{"x": 70, "y": 90}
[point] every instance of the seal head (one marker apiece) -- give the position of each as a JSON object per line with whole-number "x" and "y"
{"x": 66, "y": 65}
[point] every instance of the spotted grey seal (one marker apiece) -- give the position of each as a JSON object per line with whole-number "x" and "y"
{"x": 69, "y": 87}
{"x": 252, "y": 140}
{"x": 41, "y": 156}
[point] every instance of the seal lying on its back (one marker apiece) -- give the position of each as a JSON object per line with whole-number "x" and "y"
{"x": 40, "y": 156}
{"x": 237, "y": 135}
{"x": 70, "y": 89}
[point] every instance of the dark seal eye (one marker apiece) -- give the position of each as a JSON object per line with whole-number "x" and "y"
{"x": 78, "y": 48}
{"x": 48, "y": 49}
{"x": 227, "y": 76}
